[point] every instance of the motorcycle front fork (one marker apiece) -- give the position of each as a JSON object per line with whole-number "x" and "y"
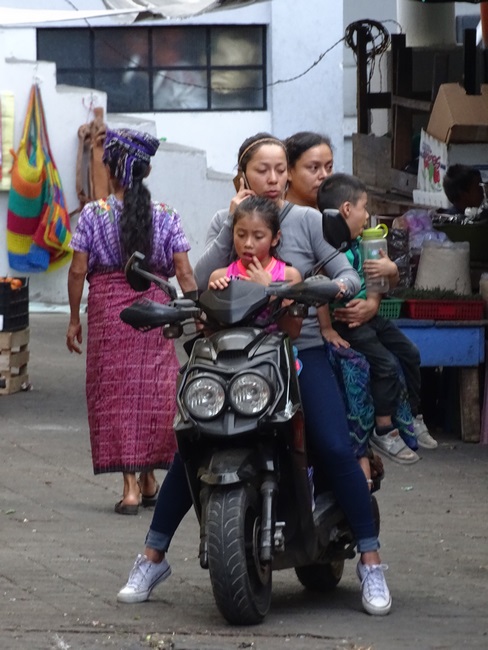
{"x": 271, "y": 537}
{"x": 269, "y": 489}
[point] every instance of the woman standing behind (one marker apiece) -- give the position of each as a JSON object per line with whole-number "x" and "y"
{"x": 130, "y": 377}
{"x": 310, "y": 161}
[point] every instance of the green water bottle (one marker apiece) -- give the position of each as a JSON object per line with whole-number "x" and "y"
{"x": 374, "y": 240}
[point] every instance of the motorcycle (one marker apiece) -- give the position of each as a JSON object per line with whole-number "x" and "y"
{"x": 241, "y": 435}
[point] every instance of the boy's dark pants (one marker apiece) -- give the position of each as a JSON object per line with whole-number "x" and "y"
{"x": 384, "y": 345}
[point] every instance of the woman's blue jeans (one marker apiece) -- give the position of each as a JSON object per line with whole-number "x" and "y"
{"x": 329, "y": 444}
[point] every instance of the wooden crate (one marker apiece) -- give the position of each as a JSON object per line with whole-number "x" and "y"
{"x": 14, "y": 356}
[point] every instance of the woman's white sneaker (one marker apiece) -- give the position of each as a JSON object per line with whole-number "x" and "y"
{"x": 376, "y": 595}
{"x": 144, "y": 576}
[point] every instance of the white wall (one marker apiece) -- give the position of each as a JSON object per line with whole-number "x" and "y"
{"x": 179, "y": 177}
{"x": 299, "y": 33}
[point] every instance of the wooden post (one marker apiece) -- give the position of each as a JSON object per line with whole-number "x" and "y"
{"x": 469, "y": 396}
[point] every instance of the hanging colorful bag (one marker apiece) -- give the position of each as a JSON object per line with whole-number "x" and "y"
{"x": 38, "y": 228}
{"x": 27, "y": 191}
{"x": 53, "y": 235}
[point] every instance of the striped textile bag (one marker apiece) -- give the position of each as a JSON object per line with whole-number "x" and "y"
{"x": 27, "y": 191}
{"x": 38, "y": 228}
{"x": 53, "y": 235}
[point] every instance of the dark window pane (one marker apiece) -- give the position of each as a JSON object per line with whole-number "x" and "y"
{"x": 76, "y": 78}
{"x": 238, "y": 89}
{"x": 178, "y": 46}
{"x": 180, "y": 89}
{"x": 162, "y": 68}
{"x": 126, "y": 91}
{"x": 236, "y": 46}
{"x": 68, "y": 48}
{"x": 121, "y": 48}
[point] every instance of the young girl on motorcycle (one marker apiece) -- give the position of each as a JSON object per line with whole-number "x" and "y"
{"x": 256, "y": 232}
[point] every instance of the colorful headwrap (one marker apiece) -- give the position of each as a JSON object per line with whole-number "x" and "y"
{"x": 125, "y": 146}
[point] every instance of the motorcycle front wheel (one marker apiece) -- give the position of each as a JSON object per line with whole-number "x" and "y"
{"x": 321, "y": 577}
{"x": 241, "y": 583}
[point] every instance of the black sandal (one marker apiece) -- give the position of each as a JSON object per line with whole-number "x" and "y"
{"x": 126, "y": 509}
{"x": 148, "y": 502}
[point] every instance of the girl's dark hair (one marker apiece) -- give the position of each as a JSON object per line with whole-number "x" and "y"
{"x": 249, "y": 147}
{"x": 298, "y": 143}
{"x": 267, "y": 210}
{"x": 337, "y": 189}
{"x": 136, "y": 224}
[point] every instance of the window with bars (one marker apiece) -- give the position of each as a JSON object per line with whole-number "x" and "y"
{"x": 208, "y": 68}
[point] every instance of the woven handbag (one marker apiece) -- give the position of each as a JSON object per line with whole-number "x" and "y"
{"x": 28, "y": 188}
{"x": 38, "y": 228}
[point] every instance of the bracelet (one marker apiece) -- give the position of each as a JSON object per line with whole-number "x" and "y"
{"x": 369, "y": 481}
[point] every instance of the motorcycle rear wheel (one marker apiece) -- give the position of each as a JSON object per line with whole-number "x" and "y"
{"x": 241, "y": 583}
{"x": 321, "y": 577}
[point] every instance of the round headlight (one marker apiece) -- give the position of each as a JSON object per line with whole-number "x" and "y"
{"x": 250, "y": 394}
{"x": 204, "y": 398}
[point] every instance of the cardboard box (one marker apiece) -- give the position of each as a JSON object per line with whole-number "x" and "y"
{"x": 457, "y": 117}
{"x": 457, "y": 133}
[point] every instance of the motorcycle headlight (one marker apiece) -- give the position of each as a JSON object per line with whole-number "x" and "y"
{"x": 204, "y": 397}
{"x": 250, "y": 394}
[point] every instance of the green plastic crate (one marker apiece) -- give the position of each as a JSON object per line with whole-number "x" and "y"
{"x": 390, "y": 307}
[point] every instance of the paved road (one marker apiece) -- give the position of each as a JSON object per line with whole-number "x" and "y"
{"x": 64, "y": 553}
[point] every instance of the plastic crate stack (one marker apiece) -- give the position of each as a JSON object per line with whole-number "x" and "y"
{"x": 14, "y": 334}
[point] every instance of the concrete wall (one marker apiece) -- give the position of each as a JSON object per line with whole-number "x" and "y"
{"x": 299, "y": 33}
{"x": 179, "y": 177}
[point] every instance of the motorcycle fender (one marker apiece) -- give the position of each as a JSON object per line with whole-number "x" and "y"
{"x": 230, "y": 466}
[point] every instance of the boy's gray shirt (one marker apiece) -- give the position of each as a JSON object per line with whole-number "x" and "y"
{"x": 302, "y": 244}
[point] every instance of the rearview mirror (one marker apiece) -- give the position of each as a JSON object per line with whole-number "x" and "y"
{"x": 335, "y": 230}
{"x": 132, "y": 275}
{"x": 140, "y": 279}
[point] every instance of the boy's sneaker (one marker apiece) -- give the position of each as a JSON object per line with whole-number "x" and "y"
{"x": 392, "y": 445}
{"x": 145, "y": 575}
{"x": 376, "y": 595}
{"x": 422, "y": 434}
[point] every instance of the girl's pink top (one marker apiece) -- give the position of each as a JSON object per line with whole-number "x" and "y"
{"x": 275, "y": 267}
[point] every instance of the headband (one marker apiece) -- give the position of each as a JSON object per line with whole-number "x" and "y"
{"x": 270, "y": 140}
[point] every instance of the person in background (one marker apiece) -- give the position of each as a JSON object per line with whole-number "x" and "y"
{"x": 130, "y": 376}
{"x": 463, "y": 187}
{"x": 263, "y": 172}
{"x": 310, "y": 161}
{"x": 379, "y": 339}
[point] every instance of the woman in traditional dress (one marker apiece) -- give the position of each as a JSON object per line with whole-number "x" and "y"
{"x": 130, "y": 376}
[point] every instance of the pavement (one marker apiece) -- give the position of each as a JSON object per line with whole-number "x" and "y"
{"x": 64, "y": 553}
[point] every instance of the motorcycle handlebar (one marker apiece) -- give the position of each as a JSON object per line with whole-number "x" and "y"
{"x": 315, "y": 290}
